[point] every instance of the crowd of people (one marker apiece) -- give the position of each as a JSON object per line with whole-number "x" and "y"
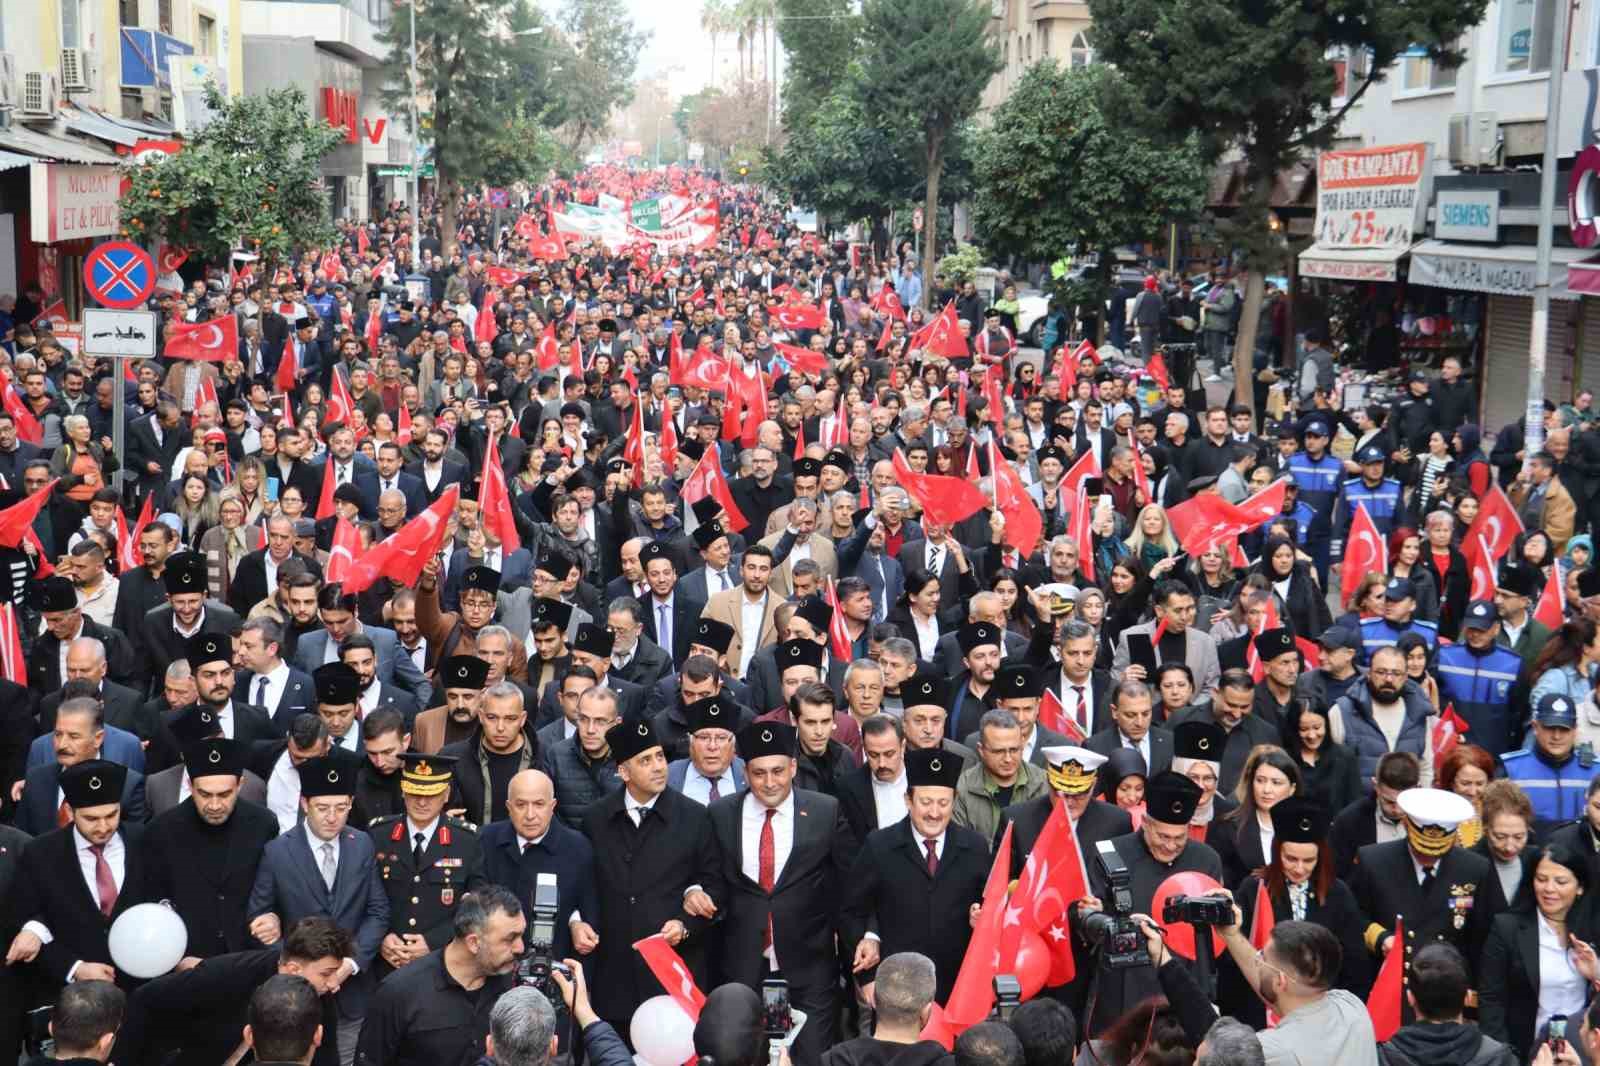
{"x": 706, "y": 652}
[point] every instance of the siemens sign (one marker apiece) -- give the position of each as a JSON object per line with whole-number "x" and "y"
{"x": 1467, "y": 216}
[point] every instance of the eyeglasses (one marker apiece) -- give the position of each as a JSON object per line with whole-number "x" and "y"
{"x": 1388, "y": 673}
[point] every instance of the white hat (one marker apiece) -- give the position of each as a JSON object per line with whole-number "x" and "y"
{"x": 1434, "y": 807}
{"x": 1070, "y": 770}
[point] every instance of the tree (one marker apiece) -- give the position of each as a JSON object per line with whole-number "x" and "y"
{"x": 1055, "y": 177}
{"x": 930, "y": 61}
{"x": 819, "y": 39}
{"x": 606, "y": 49}
{"x": 1255, "y": 76}
{"x": 250, "y": 179}
{"x": 723, "y": 121}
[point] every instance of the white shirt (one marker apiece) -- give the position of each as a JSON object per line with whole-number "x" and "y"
{"x": 714, "y": 580}
{"x": 187, "y": 633}
{"x": 351, "y": 741}
{"x": 754, "y": 817}
{"x": 697, "y": 786}
{"x": 751, "y": 616}
{"x": 927, "y": 636}
{"x": 419, "y": 654}
{"x": 1513, "y": 632}
{"x": 270, "y": 565}
{"x": 116, "y": 856}
{"x": 1387, "y": 830}
{"x": 889, "y": 800}
{"x": 801, "y": 550}
{"x": 1561, "y": 987}
{"x": 61, "y": 654}
{"x": 368, "y": 701}
{"x": 1069, "y": 702}
{"x": 634, "y": 807}
{"x": 432, "y": 473}
{"x": 283, "y": 793}
{"x": 412, "y": 829}
{"x": 277, "y": 680}
{"x": 1141, "y": 746}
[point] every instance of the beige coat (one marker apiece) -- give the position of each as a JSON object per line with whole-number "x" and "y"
{"x": 822, "y": 554}
{"x": 726, "y": 607}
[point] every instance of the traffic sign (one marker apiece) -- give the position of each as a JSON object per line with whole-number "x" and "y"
{"x": 125, "y": 333}
{"x": 119, "y": 275}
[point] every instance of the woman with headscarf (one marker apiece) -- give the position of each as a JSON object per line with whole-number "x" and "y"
{"x": 1301, "y": 603}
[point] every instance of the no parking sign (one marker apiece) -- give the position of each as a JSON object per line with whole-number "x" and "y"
{"x": 119, "y": 275}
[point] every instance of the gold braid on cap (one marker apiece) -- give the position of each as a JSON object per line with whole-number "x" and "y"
{"x": 423, "y": 779}
{"x": 1429, "y": 840}
{"x": 1070, "y": 778}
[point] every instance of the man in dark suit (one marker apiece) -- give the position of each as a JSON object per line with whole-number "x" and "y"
{"x": 324, "y": 868}
{"x": 302, "y": 346}
{"x": 350, "y": 467}
{"x": 668, "y": 611}
{"x": 1093, "y": 435}
{"x": 941, "y": 555}
{"x": 917, "y": 883}
{"x": 257, "y": 575}
{"x": 873, "y": 796}
{"x": 266, "y": 681}
{"x": 124, "y": 707}
{"x": 1131, "y": 711}
{"x": 778, "y": 913}
{"x": 210, "y": 658}
{"x": 57, "y": 901}
{"x": 153, "y": 445}
{"x": 634, "y": 657}
{"x": 337, "y": 613}
{"x": 435, "y": 471}
{"x": 167, "y": 629}
{"x": 530, "y": 842}
{"x": 206, "y": 849}
{"x": 984, "y": 607}
{"x": 1084, "y": 692}
{"x": 591, "y": 646}
{"x": 393, "y": 478}
{"x": 651, "y": 846}
{"x": 141, "y": 589}
{"x": 64, "y": 622}
{"x": 79, "y": 737}
{"x": 1018, "y": 687}
{"x": 514, "y": 567}
{"x": 499, "y": 747}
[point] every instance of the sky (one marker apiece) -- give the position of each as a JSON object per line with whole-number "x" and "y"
{"x": 675, "y": 37}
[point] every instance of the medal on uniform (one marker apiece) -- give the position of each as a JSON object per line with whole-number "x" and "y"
{"x": 447, "y": 896}
{"x": 1461, "y": 904}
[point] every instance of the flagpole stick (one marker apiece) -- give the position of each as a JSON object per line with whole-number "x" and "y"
{"x": 119, "y": 424}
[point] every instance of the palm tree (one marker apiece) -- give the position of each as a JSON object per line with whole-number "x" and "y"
{"x": 715, "y": 19}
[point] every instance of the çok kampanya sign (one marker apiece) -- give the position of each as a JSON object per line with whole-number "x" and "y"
{"x": 1372, "y": 197}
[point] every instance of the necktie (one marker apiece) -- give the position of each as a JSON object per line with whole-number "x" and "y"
{"x": 330, "y": 865}
{"x": 261, "y": 691}
{"x": 1427, "y": 879}
{"x": 105, "y": 886}
{"x": 933, "y": 857}
{"x": 1081, "y": 711}
{"x": 63, "y": 815}
{"x": 934, "y": 558}
{"x": 664, "y": 627}
{"x": 722, "y": 575}
{"x": 417, "y": 845}
{"x": 716, "y": 793}
{"x": 388, "y": 484}
{"x": 766, "y": 870}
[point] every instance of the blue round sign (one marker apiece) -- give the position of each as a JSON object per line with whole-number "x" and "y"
{"x": 119, "y": 275}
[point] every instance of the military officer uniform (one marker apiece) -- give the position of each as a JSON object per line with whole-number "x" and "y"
{"x": 425, "y": 870}
{"x": 1433, "y": 888}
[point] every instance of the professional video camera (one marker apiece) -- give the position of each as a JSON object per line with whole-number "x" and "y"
{"x": 1007, "y": 996}
{"x": 537, "y": 965}
{"x": 1113, "y": 931}
{"x": 1198, "y": 910}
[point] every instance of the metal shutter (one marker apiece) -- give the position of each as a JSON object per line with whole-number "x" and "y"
{"x": 1506, "y": 344}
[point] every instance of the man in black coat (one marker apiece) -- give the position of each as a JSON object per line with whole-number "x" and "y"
{"x": 661, "y": 573}
{"x": 75, "y": 909}
{"x": 204, "y": 852}
{"x": 1438, "y": 890}
{"x": 778, "y": 914}
{"x": 919, "y": 883}
{"x": 251, "y": 582}
{"x": 141, "y": 590}
{"x": 652, "y": 845}
{"x": 210, "y": 657}
{"x": 64, "y": 622}
{"x": 153, "y": 445}
{"x": 1357, "y": 826}
{"x": 530, "y": 842}
{"x": 873, "y": 796}
{"x": 167, "y": 629}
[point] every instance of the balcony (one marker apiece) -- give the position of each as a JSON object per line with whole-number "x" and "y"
{"x": 348, "y": 28}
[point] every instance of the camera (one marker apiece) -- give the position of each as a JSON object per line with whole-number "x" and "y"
{"x": 536, "y": 967}
{"x": 37, "y": 1040}
{"x": 1119, "y": 938}
{"x": 1198, "y": 910}
{"x": 1007, "y": 996}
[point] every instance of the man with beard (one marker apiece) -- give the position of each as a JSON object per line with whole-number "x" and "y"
{"x": 980, "y": 657}
{"x": 435, "y": 1011}
{"x": 463, "y": 679}
{"x": 199, "y": 1011}
{"x": 206, "y": 849}
{"x": 1156, "y": 850}
{"x": 500, "y": 748}
{"x": 166, "y": 630}
{"x": 141, "y": 589}
{"x": 592, "y": 646}
{"x": 435, "y": 471}
{"x": 873, "y": 796}
{"x": 384, "y": 740}
{"x": 657, "y": 868}
{"x": 189, "y": 726}
{"x": 210, "y": 658}
{"x": 455, "y": 633}
{"x": 358, "y": 652}
{"x": 635, "y": 658}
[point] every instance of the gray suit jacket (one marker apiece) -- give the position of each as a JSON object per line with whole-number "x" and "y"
{"x": 1200, "y": 654}
{"x": 161, "y": 789}
{"x": 1108, "y": 740}
{"x": 394, "y": 668}
{"x": 289, "y": 884}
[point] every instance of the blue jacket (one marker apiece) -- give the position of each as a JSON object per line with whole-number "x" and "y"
{"x": 1558, "y": 793}
{"x": 1319, "y": 481}
{"x": 882, "y": 573}
{"x": 1378, "y": 633}
{"x": 1383, "y": 503}
{"x": 1479, "y": 685}
{"x": 562, "y": 851}
{"x": 1363, "y": 735}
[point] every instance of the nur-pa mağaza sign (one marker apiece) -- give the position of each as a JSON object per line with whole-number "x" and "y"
{"x": 1374, "y": 197}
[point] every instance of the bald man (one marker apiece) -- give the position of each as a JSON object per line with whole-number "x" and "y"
{"x": 533, "y": 841}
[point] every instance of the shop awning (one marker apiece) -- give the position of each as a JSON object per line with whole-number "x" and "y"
{"x": 1584, "y": 276}
{"x": 1502, "y": 270}
{"x": 93, "y": 125}
{"x": 11, "y": 160}
{"x": 1351, "y": 264}
{"x": 44, "y": 146}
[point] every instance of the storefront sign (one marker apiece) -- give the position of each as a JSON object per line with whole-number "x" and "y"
{"x": 1372, "y": 198}
{"x": 73, "y": 200}
{"x": 1504, "y": 277}
{"x": 1467, "y": 216}
{"x": 1348, "y": 270}
{"x": 1583, "y": 198}
{"x": 341, "y": 110}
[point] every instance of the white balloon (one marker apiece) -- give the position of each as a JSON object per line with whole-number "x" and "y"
{"x": 147, "y": 940}
{"x": 663, "y": 1035}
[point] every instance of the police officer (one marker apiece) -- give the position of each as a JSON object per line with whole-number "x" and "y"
{"x": 1318, "y": 474}
{"x": 1553, "y": 773}
{"x": 1477, "y": 674}
{"x": 1438, "y": 890}
{"x": 426, "y": 861}
{"x": 1380, "y": 495}
{"x": 1399, "y": 604}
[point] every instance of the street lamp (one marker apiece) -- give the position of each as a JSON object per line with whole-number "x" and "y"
{"x": 416, "y": 137}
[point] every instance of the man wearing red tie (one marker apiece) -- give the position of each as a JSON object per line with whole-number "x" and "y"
{"x": 1085, "y": 692}
{"x": 65, "y": 927}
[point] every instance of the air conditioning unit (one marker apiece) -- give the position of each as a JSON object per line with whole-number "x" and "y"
{"x": 75, "y": 70}
{"x": 1474, "y": 139}
{"x": 41, "y": 95}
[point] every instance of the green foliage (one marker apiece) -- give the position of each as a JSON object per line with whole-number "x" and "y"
{"x": 819, "y": 39}
{"x": 249, "y": 179}
{"x": 1055, "y": 178}
{"x": 961, "y": 265}
{"x": 599, "y": 79}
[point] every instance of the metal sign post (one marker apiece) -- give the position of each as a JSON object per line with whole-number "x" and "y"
{"x": 119, "y": 335}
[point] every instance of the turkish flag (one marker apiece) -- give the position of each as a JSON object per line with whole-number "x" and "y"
{"x": 731, "y": 416}
{"x": 804, "y": 359}
{"x": 1204, "y": 521}
{"x": 325, "y": 508}
{"x": 363, "y": 241}
{"x": 171, "y": 258}
{"x": 547, "y": 249}
{"x": 1261, "y": 923}
{"x": 1141, "y": 476}
{"x": 402, "y": 557}
{"x": 1054, "y": 717}
{"x": 494, "y": 500}
{"x": 1489, "y": 538}
{"x": 346, "y": 546}
{"x": 674, "y": 356}
{"x": 946, "y": 500}
{"x": 504, "y": 277}
{"x": 484, "y": 327}
{"x": 548, "y": 350}
{"x": 633, "y": 444}
{"x": 1066, "y": 375}
{"x": 1446, "y": 734}
{"x": 1252, "y": 658}
{"x": 1387, "y": 999}
{"x": 54, "y": 311}
{"x": 752, "y": 390}
{"x": 707, "y": 479}
{"x": 674, "y": 975}
{"x": 339, "y": 402}
{"x": 1157, "y": 368}
{"x": 706, "y": 370}
{"x": 1052, "y": 880}
{"x": 1552, "y": 609}
{"x": 374, "y": 327}
{"x": 1086, "y": 347}
{"x": 215, "y": 341}
{"x": 287, "y": 375}
{"x": 938, "y": 1028}
{"x": 12, "y": 663}
{"x": 888, "y": 301}
{"x": 1364, "y": 553}
{"x": 17, "y": 519}
{"x": 798, "y": 316}
{"x": 973, "y": 993}
{"x": 526, "y": 227}
{"x": 1024, "y": 525}
{"x": 943, "y": 336}
{"x": 402, "y": 425}
{"x": 838, "y": 636}
{"x": 666, "y": 441}
{"x": 129, "y": 557}
{"x": 1083, "y": 532}
{"x": 204, "y": 393}
{"x": 1085, "y": 467}
{"x": 331, "y": 265}
{"x": 997, "y": 406}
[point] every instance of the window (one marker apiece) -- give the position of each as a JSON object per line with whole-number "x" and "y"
{"x": 1044, "y": 40}
{"x": 132, "y": 104}
{"x": 71, "y": 24}
{"x": 206, "y": 35}
{"x": 1350, "y": 69}
{"x": 1418, "y": 73}
{"x": 1030, "y": 48}
{"x": 164, "y": 16}
{"x": 1080, "y": 55}
{"x": 1527, "y": 28}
